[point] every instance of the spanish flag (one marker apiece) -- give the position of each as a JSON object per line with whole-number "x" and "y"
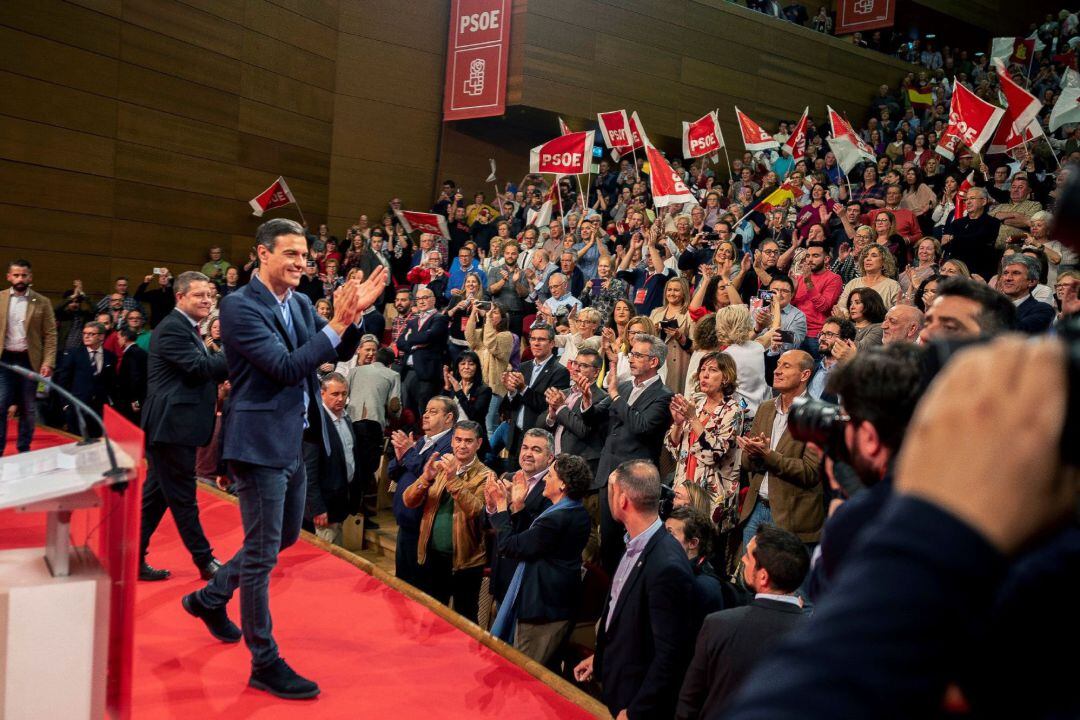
{"x": 777, "y": 198}
{"x": 920, "y": 100}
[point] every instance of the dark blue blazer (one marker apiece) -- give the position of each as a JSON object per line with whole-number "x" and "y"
{"x": 263, "y": 422}
{"x": 551, "y": 549}
{"x": 405, "y": 472}
{"x": 1034, "y": 316}
{"x": 641, "y": 658}
{"x": 73, "y": 373}
{"x": 503, "y": 566}
{"x": 427, "y": 361}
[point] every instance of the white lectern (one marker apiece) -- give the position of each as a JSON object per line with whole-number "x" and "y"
{"x": 54, "y": 601}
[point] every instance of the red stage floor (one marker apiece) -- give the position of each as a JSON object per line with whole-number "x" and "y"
{"x": 374, "y": 652}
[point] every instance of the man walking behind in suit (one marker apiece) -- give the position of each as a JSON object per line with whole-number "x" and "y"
{"x": 642, "y": 646}
{"x": 638, "y": 416}
{"x": 732, "y": 641}
{"x": 129, "y": 395}
{"x": 178, "y": 417}
{"x": 330, "y": 476}
{"x": 785, "y": 489}
{"x": 28, "y": 334}
{"x": 89, "y": 373}
{"x": 274, "y": 342}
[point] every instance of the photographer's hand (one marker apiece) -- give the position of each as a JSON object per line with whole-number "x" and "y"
{"x": 980, "y": 455}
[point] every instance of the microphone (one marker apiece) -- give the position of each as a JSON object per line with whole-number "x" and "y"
{"x": 115, "y": 475}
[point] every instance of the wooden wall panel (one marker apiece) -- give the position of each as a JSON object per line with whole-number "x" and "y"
{"x": 49, "y": 146}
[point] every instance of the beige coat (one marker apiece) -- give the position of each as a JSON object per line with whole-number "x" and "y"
{"x": 40, "y": 328}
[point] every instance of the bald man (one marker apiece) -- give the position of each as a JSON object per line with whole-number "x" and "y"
{"x": 784, "y": 486}
{"x": 902, "y": 323}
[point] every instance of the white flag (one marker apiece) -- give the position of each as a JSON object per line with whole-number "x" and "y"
{"x": 1067, "y": 109}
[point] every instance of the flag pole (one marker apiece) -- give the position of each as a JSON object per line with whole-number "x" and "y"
{"x": 302, "y": 220}
{"x": 583, "y": 198}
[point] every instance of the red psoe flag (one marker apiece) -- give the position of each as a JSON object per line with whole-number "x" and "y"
{"x": 1023, "y": 107}
{"x": 702, "y": 137}
{"x": 796, "y": 142}
{"x": 275, "y": 196}
{"x": 565, "y": 155}
{"x": 667, "y": 185}
{"x": 972, "y": 121}
{"x": 753, "y": 136}
{"x": 433, "y": 223}
{"x": 615, "y": 129}
{"x": 638, "y": 139}
{"x": 847, "y": 146}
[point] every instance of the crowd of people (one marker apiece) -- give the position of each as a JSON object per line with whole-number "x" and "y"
{"x": 607, "y": 394}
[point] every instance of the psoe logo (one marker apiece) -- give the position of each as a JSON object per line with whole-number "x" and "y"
{"x": 864, "y": 7}
{"x": 474, "y": 84}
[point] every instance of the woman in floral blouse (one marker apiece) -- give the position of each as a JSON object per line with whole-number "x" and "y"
{"x": 702, "y": 439}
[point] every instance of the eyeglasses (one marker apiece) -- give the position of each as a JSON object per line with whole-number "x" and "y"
{"x": 782, "y": 291}
{"x": 639, "y": 355}
{"x": 828, "y": 334}
{"x": 770, "y": 252}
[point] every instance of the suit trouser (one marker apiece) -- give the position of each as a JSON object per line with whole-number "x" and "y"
{"x": 439, "y": 580}
{"x": 364, "y": 496}
{"x": 406, "y": 565}
{"x": 418, "y": 391}
{"x": 170, "y": 485}
{"x": 272, "y": 510}
{"x": 22, "y": 393}
{"x": 540, "y": 641}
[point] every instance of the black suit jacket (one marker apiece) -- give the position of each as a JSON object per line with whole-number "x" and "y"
{"x": 375, "y": 324}
{"x": 427, "y": 361}
{"x": 634, "y": 432}
{"x": 583, "y": 432}
{"x": 130, "y": 382}
{"x": 328, "y": 477}
{"x": 503, "y": 567}
{"x": 552, "y": 375}
{"x": 74, "y": 373}
{"x": 729, "y": 645}
{"x": 182, "y": 380}
{"x": 642, "y": 655}
{"x": 551, "y": 550}
{"x": 1034, "y": 316}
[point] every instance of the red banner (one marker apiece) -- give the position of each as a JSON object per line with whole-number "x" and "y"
{"x": 702, "y": 137}
{"x": 615, "y": 129}
{"x": 795, "y": 146}
{"x": 971, "y": 119}
{"x": 667, "y": 185}
{"x": 433, "y": 223}
{"x": 275, "y": 196}
{"x": 862, "y": 15}
{"x": 754, "y": 136}
{"x": 565, "y": 155}
{"x": 476, "y": 59}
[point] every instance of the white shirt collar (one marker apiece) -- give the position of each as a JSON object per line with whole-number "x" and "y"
{"x": 791, "y": 599}
{"x": 646, "y": 383}
{"x": 1018, "y": 301}
{"x": 332, "y": 414}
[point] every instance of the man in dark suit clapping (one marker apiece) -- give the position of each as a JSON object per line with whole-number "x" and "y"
{"x": 525, "y": 398}
{"x": 178, "y": 417}
{"x": 732, "y": 641}
{"x": 89, "y": 373}
{"x": 330, "y": 475}
{"x": 423, "y": 349}
{"x": 645, "y": 633}
{"x": 274, "y": 344}
{"x": 638, "y": 417}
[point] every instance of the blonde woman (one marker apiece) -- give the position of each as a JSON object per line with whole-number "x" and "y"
{"x": 493, "y": 343}
{"x": 877, "y": 268}
{"x": 585, "y": 324}
{"x": 735, "y": 336}
{"x": 616, "y": 350}
{"x": 673, "y": 325}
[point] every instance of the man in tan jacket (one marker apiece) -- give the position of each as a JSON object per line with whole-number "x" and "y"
{"x": 785, "y": 489}
{"x": 451, "y": 551}
{"x": 28, "y": 334}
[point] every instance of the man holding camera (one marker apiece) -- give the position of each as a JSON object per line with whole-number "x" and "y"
{"x": 792, "y": 330}
{"x": 784, "y": 486}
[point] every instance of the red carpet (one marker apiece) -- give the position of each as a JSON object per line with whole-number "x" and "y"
{"x": 374, "y": 652}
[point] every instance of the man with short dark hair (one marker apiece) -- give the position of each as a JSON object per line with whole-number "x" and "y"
{"x": 732, "y": 641}
{"x": 331, "y": 475}
{"x": 965, "y": 309}
{"x": 120, "y": 287}
{"x": 792, "y": 319}
{"x": 89, "y": 373}
{"x": 578, "y": 431}
{"x": 837, "y": 331}
{"x": 1018, "y": 278}
{"x": 526, "y": 387}
{"x": 27, "y": 339}
{"x": 644, "y": 635}
{"x": 129, "y": 393}
{"x": 696, "y": 533}
{"x": 423, "y": 351}
{"x": 816, "y": 293}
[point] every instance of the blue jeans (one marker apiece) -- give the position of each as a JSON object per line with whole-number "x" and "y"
{"x": 760, "y": 515}
{"x": 492, "y": 420}
{"x": 271, "y": 509}
{"x": 22, "y": 393}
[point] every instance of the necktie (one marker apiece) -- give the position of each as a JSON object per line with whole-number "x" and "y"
{"x": 286, "y": 315}
{"x": 95, "y": 360}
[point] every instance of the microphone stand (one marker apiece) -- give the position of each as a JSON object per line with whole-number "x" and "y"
{"x": 115, "y": 475}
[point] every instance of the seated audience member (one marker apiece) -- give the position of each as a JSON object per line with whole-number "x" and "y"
{"x": 702, "y": 441}
{"x": 89, "y": 373}
{"x": 638, "y": 415}
{"x": 865, "y": 309}
{"x": 731, "y": 642}
{"x": 785, "y": 489}
{"x": 836, "y": 342}
{"x": 560, "y": 301}
{"x": 902, "y": 323}
{"x": 330, "y": 478}
{"x": 966, "y": 309}
{"x": 695, "y": 533}
{"x": 1018, "y": 277}
{"x": 450, "y": 549}
{"x": 410, "y": 459}
{"x": 542, "y": 601}
{"x": 645, "y": 633}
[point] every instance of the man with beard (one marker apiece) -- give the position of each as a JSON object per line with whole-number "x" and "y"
{"x": 28, "y": 337}
{"x": 509, "y": 287}
{"x": 837, "y": 331}
{"x": 880, "y": 389}
{"x": 816, "y": 293}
